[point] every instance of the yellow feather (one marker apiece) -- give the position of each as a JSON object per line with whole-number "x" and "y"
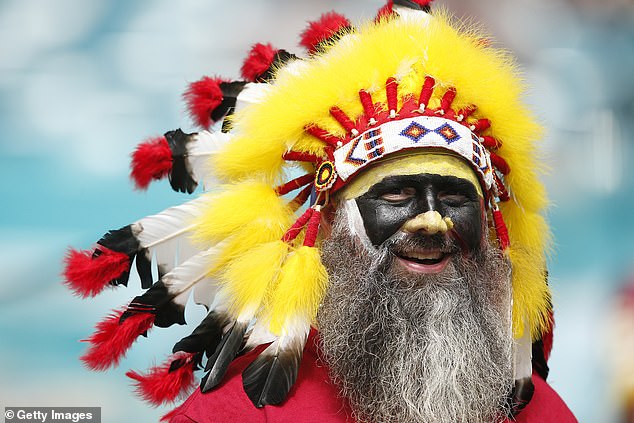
{"x": 238, "y": 206}
{"x": 246, "y": 156}
{"x": 301, "y": 287}
{"x": 249, "y": 236}
{"x": 248, "y": 278}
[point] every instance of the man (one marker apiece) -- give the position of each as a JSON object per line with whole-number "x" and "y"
{"x": 424, "y": 305}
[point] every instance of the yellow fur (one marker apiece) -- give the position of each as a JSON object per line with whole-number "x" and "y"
{"x": 237, "y": 206}
{"x": 301, "y": 287}
{"x": 247, "y": 279}
{"x": 408, "y": 51}
{"x": 247, "y": 237}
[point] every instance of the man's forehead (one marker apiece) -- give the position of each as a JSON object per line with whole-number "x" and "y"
{"x": 438, "y": 163}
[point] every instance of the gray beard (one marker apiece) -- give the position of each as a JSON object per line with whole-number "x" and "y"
{"x": 406, "y": 347}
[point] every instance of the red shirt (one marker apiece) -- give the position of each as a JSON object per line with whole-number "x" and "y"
{"x": 314, "y": 399}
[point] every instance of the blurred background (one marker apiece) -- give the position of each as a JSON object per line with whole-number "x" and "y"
{"x": 82, "y": 82}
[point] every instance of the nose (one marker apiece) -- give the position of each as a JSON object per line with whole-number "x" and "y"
{"x": 429, "y": 223}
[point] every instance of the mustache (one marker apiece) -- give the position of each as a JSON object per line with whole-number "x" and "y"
{"x": 402, "y": 242}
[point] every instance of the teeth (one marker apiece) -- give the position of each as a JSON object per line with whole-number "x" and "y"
{"x": 425, "y": 256}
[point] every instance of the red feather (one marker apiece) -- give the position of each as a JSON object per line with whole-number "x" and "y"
{"x": 322, "y": 29}
{"x": 152, "y": 159}
{"x": 160, "y": 385}
{"x": 422, "y": 3}
{"x": 258, "y": 61}
{"x": 87, "y": 276}
{"x": 385, "y": 12}
{"x": 112, "y": 339}
{"x": 202, "y": 98}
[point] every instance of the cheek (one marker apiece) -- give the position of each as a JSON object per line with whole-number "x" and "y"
{"x": 468, "y": 222}
{"x": 381, "y": 221}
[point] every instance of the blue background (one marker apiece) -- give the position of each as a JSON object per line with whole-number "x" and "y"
{"x": 82, "y": 82}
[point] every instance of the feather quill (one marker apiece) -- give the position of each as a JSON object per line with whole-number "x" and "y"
{"x": 162, "y": 234}
{"x": 270, "y": 377}
{"x": 218, "y": 364}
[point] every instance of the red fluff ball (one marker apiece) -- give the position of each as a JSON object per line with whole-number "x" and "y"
{"x": 258, "y": 61}
{"x": 322, "y": 29}
{"x": 202, "y": 98}
{"x": 160, "y": 385}
{"x": 87, "y": 276}
{"x": 112, "y": 339}
{"x": 152, "y": 159}
{"x": 385, "y": 12}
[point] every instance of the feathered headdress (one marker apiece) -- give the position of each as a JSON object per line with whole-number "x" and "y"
{"x": 248, "y": 247}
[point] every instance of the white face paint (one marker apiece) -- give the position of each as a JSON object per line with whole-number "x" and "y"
{"x": 355, "y": 223}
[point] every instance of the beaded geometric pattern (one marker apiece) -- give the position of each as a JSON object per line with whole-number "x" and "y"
{"x": 416, "y": 132}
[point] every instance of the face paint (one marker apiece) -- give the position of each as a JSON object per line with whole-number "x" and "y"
{"x": 387, "y": 205}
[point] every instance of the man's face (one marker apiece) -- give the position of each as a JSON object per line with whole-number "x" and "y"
{"x": 415, "y": 325}
{"x": 397, "y": 199}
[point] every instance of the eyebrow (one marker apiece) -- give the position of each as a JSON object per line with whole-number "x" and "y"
{"x": 442, "y": 181}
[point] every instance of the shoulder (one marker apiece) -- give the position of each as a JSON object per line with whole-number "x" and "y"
{"x": 545, "y": 406}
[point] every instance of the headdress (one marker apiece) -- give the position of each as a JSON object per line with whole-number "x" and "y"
{"x": 248, "y": 247}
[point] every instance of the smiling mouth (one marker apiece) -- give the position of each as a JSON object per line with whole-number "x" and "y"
{"x": 426, "y": 261}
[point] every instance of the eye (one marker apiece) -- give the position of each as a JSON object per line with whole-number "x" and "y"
{"x": 397, "y": 195}
{"x": 453, "y": 199}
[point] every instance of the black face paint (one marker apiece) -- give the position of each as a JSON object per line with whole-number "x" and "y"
{"x": 390, "y": 203}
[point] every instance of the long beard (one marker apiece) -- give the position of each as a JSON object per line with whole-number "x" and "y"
{"x": 416, "y": 348}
